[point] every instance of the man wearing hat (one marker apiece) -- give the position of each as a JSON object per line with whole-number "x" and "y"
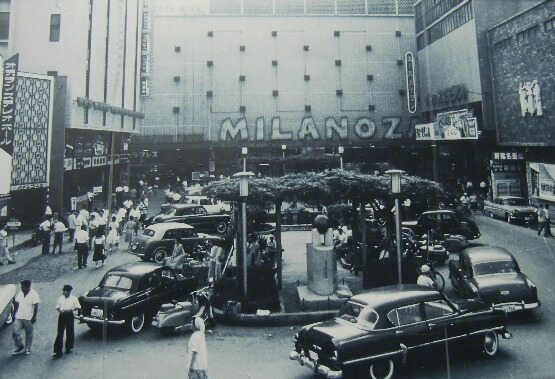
{"x": 26, "y": 308}
{"x": 67, "y": 304}
{"x": 424, "y": 278}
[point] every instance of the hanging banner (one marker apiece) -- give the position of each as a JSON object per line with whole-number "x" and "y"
{"x": 7, "y": 123}
{"x": 411, "y": 82}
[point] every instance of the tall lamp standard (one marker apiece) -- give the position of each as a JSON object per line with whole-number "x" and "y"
{"x": 396, "y": 190}
{"x": 244, "y": 152}
{"x": 283, "y": 148}
{"x": 340, "y": 150}
{"x": 244, "y": 193}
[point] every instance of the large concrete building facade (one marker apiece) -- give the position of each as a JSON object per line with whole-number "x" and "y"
{"x": 455, "y": 76}
{"x": 90, "y": 50}
{"x": 522, "y": 50}
{"x": 288, "y": 79}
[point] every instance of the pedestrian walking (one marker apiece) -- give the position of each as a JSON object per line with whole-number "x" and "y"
{"x": 541, "y": 219}
{"x": 93, "y": 228}
{"x": 59, "y": 229}
{"x": 26, "y": 309}
{"x": 4, "y": 251}
{"x": 214, "y": 253}
{"x": 113, "y": 235}
{"x": 197, "y": 354}
{"x": 72, "y": 225}
{"x": 130, "y": 227}
{"x": 67, "y": 304}
{"x": 99, "y": 252}
{"x": 547, "y": 221}
{"x": 44, "y": 228}
{"x": 82, "y": 246}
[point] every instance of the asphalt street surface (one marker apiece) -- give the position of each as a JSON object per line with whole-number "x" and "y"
{"x": 256, "y": 352}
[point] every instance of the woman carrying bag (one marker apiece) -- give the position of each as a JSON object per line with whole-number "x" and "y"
{"x": 197, "y": 354}
{"x": 99, "y": 244}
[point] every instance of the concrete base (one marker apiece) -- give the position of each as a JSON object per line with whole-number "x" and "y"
{"x": 311, "y": 300}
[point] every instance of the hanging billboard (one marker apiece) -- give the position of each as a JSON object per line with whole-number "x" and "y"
{"x": 7, "y": 123}
{"x": 456, "y": 125}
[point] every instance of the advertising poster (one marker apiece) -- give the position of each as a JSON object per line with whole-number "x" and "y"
{"x": 542, "y": 177}
{"x": 7, "y": 123}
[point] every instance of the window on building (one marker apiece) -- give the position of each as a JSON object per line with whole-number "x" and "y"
{"x": 527, "y": 34}
{"x": 503, "y": 44}
{"x": 549, "y": 24}
{"x": 55, "y": 27}
{"x": 4, "y": 25}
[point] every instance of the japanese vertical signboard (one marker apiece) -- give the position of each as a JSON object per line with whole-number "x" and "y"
{"x": 411, "y": 82}
{"x": 145, "y": 50}
{"x": 7, "y": 122}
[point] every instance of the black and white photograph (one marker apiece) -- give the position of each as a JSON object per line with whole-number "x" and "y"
{"x": 277, "y": 189}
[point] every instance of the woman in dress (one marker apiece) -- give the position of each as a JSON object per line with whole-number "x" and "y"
{"x": 99, "y": 245}
{"x": 197, "y": 354}
{"x": 113, "y": 235}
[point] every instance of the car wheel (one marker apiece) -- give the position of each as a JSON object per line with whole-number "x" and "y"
{"x": 221, "y": 227}
{"x": 136, "y": 323}
{"x": 159, "y": 256}
{"x": 382, "y": 369}
{"x": 490, "y": 343}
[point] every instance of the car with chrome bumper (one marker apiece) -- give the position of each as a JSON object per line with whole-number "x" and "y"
{"x": 378, "y": 330}
{"x": 512, "y": 209}
{"x": 131, "y": 294}
{"x": 443, "y": 222}
{"x": 492, "y": 274}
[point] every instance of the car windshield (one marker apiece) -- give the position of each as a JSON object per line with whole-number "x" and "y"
{"x": 149, "y": 233}
{"x": 490, "y": 268}
{"x": 119, "y": 282}
{"x": 358, "y": 314}
{"x": 521, "y": 202}
{"x": 169, "y": 211}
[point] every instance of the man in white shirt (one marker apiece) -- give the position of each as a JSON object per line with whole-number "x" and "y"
{"x": 84, "y": 214}
{"x": 45, "y": 228}
{"x": 26, "y": 308}
{"x": 72, "y": 224}
{"x": 82, "y": 246}
{"x": 424, "y": 278}
{"x": 59, "y": 229}
{"x": 66, "y": 305}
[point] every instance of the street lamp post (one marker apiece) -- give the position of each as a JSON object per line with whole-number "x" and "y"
{"x": 244, "y": 152}
{"x": 340, "y": 150}
{"x": 244, "y": 193}
{"x": 396, "y": 190}
{"x": 283, "y": 148}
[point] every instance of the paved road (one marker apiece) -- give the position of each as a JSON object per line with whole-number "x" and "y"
{"x": 243, "y": 352}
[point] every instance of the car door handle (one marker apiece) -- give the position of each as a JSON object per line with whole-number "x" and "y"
{"x": 431, "y": 326}
{"x": 398, "y": 332}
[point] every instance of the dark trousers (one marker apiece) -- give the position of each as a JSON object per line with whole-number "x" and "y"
{"x": 82, "y": 254}
{"x": 548, "y": 227}
{"x": 71, "y": 234}
{"x": 58, "y": 241}
{"x": 45, "y": 242}
{"x": 65, "y": 325}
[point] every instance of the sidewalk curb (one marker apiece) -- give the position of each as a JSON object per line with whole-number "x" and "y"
{"x": 274, "y": 319}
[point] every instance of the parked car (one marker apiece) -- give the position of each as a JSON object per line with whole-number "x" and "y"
{"x": 131, "y": 294}
{"x": 380, "y": 329}
{"x": 512, "y": 209}
{"x": 7, "y": 296}
{"x": 158, "y": 240}
{"x": 194, "y": 215}
{"x": 492, "y": 275}
{"x": 442, "y": 222}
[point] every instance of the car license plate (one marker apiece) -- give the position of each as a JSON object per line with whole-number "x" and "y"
{"x": 509, "y": 308}
{"x": 97, "y": 313}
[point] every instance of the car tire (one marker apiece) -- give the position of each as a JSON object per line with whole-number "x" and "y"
{"x": 136, "y": 323}
{"x": 159, "y": 256}
{"x": 384, "y": 369}
{"x": 490, "y": 343}
{"x": 221, "y": 227}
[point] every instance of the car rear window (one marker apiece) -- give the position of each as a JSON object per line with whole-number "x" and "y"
{"x": 521, "y": 202}
{"x": 118, "y": 282}
{"x": 358, "y": 314}
{"x": 149, "y": 233}
{"x": 490, "y": 268}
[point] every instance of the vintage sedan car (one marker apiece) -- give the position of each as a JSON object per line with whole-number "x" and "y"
{"x": 158, "y": 240}
{"x": 442, "y": 222}
{"x": 7, "y": 295}
{"x": 492, "y": 275}
{"x": 131, "y": 294}
{"x": 195, "y": 215}
{"x": 380, "y": 329}
{"x": 512, "y": 209}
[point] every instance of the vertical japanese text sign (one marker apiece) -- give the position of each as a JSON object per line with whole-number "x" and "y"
{"x": 411, "y": 82}
{"x": 7, "y": 122}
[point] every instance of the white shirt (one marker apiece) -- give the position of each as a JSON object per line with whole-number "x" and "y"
{"x": 128, "y": 204}
{"x": 425, "y": 280}
{"x": 70, "y": 303}
{"x": 81, "y": 236}
{"x": 59, "y": 227}
{"x": 26, "y": 304}
{"x": 136, "y": 213}
{"x": 45, "y": 226}
{"x": 72, "y": 221}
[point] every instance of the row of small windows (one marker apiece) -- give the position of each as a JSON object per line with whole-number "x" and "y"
{"x": 310, "y": 7}
{"x": 429, "y": 11}
{"x": 242, "y": 78}
{"x": 55, "y": 23}
{"x": 525, "y": 35}
{"x": 336, "y": 33}
{"x": 307, "y": 107}
{"x": 453, "y": 21}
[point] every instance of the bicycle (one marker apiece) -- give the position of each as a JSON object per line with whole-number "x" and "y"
{"x": 438, "y": 279}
